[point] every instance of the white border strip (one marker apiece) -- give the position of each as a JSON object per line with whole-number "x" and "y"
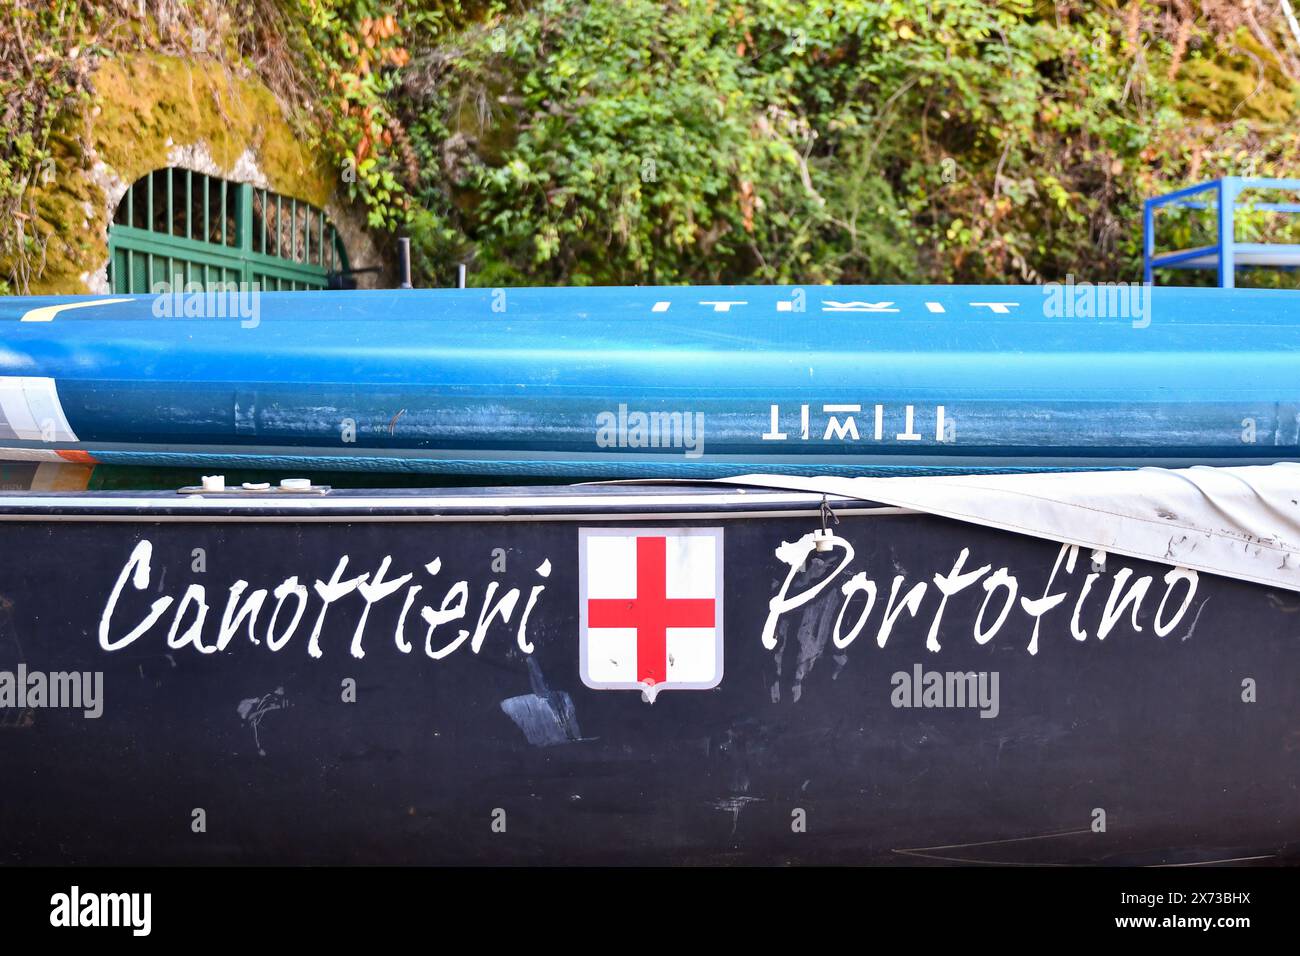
{"x": 9, "y": 455}
{"x": 197, "y": 502}
{"x": 30, "y": 406}
{"x": 520, "y": 518}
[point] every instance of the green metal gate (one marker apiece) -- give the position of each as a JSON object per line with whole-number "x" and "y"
{"x": 180, "y": 227}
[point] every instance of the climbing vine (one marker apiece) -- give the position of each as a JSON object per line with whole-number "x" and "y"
{"x": 46, "y": 54}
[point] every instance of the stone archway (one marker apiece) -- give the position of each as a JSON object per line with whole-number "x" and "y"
{"x": 152, "y": 112}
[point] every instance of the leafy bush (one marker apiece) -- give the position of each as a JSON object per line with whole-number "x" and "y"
{"x": 773, "y": 140}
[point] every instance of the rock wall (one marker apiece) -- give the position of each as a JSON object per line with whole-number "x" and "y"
{"x": 152, "y": 111}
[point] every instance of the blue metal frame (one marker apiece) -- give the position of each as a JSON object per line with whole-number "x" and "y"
{"x": 1225, "y": 252}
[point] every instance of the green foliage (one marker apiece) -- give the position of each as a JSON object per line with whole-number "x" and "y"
{"x": 774, "y": 140}
{"x": 353, "y": 51}
{"x": 44, "y": 62}
{"x": 352, "y": 54}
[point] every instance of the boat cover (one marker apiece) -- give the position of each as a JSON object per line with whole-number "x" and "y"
{"x": 1238, "y": 522}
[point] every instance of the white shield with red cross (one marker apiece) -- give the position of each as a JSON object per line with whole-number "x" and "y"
{"x": 650, "y": 614}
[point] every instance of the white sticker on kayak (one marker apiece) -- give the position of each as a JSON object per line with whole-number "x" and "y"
{"x": 650, "y": 609}
{"x": 30, "y": 410}
{"x": 46, "y": 313}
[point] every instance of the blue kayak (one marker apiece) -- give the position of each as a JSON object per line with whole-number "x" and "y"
{"x": 667, "y": 381}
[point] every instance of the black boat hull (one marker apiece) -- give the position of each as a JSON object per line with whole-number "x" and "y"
{"x": 1132, "y": 748}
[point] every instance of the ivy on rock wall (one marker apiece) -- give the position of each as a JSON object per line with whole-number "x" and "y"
{"x": 45, "y": 63}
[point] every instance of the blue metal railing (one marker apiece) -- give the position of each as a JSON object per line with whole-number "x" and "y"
{"x": 1227, "y": 254}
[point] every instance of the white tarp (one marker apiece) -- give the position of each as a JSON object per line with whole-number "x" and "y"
{"x": 1238, "y": 522}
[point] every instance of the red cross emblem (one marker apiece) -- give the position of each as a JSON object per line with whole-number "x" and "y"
{"x": 651, "y": 608}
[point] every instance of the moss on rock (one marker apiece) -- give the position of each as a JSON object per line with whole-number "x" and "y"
{"x": 145, "y": 109}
